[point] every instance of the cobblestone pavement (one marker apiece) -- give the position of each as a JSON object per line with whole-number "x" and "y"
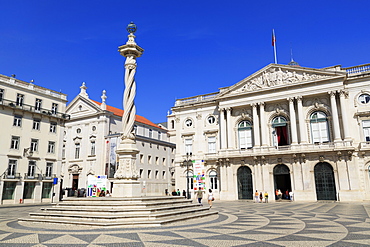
{"x": 239, "y": 223}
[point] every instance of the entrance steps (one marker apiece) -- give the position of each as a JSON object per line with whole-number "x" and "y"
{"x": 120, "y": 212}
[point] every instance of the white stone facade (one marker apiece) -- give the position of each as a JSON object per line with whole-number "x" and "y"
{"x": 32, "y": 123}
{"x": 284, "y": 127}
{"x": 91, "y": 140}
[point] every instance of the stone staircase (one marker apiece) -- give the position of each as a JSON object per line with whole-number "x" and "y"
{"x": 120, "y": 212}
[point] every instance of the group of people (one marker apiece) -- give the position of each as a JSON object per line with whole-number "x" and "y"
{"x": 199, "y": 195}
{"x": 287, "y": 195}
{"x": 259, "y": 196}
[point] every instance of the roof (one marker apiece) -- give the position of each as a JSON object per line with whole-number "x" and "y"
{"x": 119, "y": 112}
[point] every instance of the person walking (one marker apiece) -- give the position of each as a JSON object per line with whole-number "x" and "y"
{"x": 266, "y": 197}
{"x": 184, "y": 193}
{"x": 210, "y": 198}
{"x": 200, "y": 196}
{"x": 261, "y": 197}
{"x": 256, "y": 194}
{"x": 291, "y": 196}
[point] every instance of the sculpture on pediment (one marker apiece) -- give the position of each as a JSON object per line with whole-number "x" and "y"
{"x": 274, "y": 77}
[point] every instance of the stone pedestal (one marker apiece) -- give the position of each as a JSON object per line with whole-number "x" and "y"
{"x": 126, "y": 188}
{"x": 126, "y": 184}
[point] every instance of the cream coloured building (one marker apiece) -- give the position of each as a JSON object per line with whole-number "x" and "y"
{"x": 90, "y": 141}
{"x": 284, "y": 127}
{"x": 32, "y": 123}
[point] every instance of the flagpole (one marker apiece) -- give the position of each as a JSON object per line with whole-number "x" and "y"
{"x": 274, "y": 45}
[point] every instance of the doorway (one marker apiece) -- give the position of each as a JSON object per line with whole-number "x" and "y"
{"x": 282, "y": 180}
{"x": 245, "y": 185}
{"x": 325, "y": 182}
{"x": 75, "y": 182}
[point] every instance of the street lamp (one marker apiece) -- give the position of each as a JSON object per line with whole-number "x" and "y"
{"x": 187, "y": 161}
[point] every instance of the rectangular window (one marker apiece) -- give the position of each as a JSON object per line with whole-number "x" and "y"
{"x": 141, "y": 158}
{"x": 64, "y": 151}
{"x": 20, "y": 98}
{"x": 1, "y": 94}
{"x": 46, "y": 190}
{"x": 12, "y": 167}
{"x": 34, "y": 145}
{"x": 54, "y": 108}
{"x": 9, "y": 189}
{"x": 150, "y": 133}
{"x": 164, "y": 174}
{"x": 188, "y": 146}
{"x": 156, "y": 160}
{"x": 36, "y": 124}
{"x": 29, "y": 188}
{"x": 141, "y": 173}
{"x": 49, "y": 170}
{"x": 156, "y": 174}
{"x": 149, "y": 159}
{"x": 31, "y": 169}
{"x": 92, "y": 148}
{"x": 77, "y": 151}
{"x": 15, "y": 142}
{"x": 159, "y": 135}
{"x": 17, "y": 121}
{"x": 366, "y": 127}
{"x": 38, "y": 104}
{"x": 211, "y": 144}
{"x": 51, "y": 147}
{"x": 149, "y": 172}
{"x": 53, "y": 127}
{"x": 164, "y": 161}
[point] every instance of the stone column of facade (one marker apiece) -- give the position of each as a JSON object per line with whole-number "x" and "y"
{"x": 229, "y": 128}
{"x": 223, "y": 128}
{"x": 256, "y": 126}
{"x": 301, "y": 118}
{"x": 263, "y": 124}
{"x": 293, "y": 121}
{"x": 342, "y": 97}
{"x": 334, "y": 111}
{"x": 126, "y": 183}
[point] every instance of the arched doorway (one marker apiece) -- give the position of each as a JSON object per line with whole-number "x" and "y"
{"x": 282, "y": 179}
{"x": 245, "y": 185}
{"x": 324, "y": 181}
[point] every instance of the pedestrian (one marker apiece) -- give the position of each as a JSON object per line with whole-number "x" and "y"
{"x": 261, "y": 197}
{"x": 166, "y": 192}
{"x": 210, "y": 198}
{"x": 279, "y": 194}
{"x": 108, "y": 194}
{"x": 266, "y": 197}
{"x": 184, "y": 193}
{"x": 276, "y": 194}
{"x": 256, "y": 195}
{"x": 178, "y": 192}
{"x": 291, "y": 195}
{"x": 102, "y": 194}
{"x": 200, "y": 196}
{"x": 174, "y": 193}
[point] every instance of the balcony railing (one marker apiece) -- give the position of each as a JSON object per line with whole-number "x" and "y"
{"x": 196, "y": 99}
{"x": 48, "y": 176}
{"x": 36, "y": 176}
{"x": 12, "y": 176}
{"x": 358, "y": 69}
{"x": 30, "y": 108}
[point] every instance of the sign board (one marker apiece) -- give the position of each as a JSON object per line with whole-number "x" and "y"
{"x": 199, "y": 178}
{"x": 96, "y": 184}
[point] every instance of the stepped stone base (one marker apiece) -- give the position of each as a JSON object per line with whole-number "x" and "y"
{"x": 120, "y": 212}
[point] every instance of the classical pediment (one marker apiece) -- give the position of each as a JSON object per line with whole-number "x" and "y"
{"x": 81, "y": 107}
{"x": 275, "y": 76}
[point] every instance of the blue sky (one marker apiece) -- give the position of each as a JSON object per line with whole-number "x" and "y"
{"x": 191, "y": 47}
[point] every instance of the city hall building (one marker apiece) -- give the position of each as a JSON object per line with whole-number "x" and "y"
{"x": 285, "y": 127}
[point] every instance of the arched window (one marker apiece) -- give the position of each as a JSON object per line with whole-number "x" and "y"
{"x": 280, "y": 131}
{"x": 319, "y": 127}
{"x": 213, "y": 183}
{"x": 190, "y": 180}
{"x": 245, "y": 135}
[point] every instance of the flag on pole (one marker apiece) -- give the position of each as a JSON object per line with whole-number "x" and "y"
{"x": 274, "y": 45}
{"x": 273, "y": 38}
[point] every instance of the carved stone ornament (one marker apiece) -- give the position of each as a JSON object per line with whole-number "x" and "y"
{"x": 277, "y": 76}
{"x": 127, "y": 169}
{"x": 74, "y": 169}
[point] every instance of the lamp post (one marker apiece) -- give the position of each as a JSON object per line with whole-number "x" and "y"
{"x": 187, "y": 161}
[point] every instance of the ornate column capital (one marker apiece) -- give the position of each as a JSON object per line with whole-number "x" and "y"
{"x": 332, "y": 93}
{"x": 343, "y": 93}
{"x": 290, "y": 99}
